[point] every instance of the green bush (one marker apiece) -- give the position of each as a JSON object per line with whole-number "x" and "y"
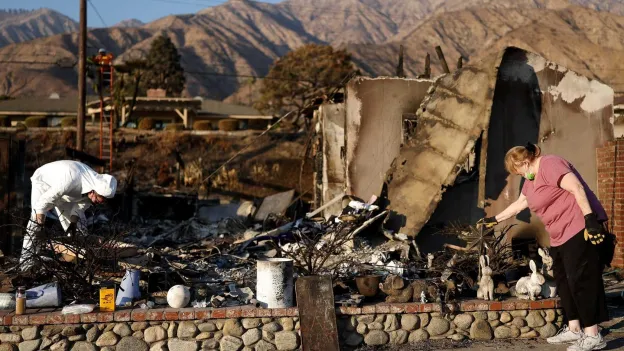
{"x": 147, "y": 124}
{"x": 69, "y": 122}
{"x": 21, "y": 127}
{"x": 36, "y": 121}
{"x": 203, "y": 125}
{"x": 228, "y": 125}
{"x": 174, "y": 126}
{"x": 5, "y": 121}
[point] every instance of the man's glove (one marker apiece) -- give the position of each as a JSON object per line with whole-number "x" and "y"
{"x": 593, "y": 230}
{"x": 487, "y": 223}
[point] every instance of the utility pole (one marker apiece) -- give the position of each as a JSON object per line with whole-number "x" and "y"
{"x": 82, "y": 76}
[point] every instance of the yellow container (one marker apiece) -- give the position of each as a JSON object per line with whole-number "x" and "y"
{"x": 107, "y": 299}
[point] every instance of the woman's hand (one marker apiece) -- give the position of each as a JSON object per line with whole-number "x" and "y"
{"x": 593, "y": 230}
{"x": 487, "y": 223}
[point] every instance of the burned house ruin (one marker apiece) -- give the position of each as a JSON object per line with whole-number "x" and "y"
{"x": 437, "y": 147}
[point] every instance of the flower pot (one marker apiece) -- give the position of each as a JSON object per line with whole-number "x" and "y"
{"x": 368, "y": 285}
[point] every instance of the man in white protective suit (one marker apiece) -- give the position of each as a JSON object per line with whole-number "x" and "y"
{"x": 70, "y": 187}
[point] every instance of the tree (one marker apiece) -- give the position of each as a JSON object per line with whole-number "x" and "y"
{"x": 128, "y": 83}
{"x": 303, "y": 75}
{"x": 164, "y": 69}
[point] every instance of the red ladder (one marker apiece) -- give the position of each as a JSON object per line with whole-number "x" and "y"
{"x": 107, "y": 112}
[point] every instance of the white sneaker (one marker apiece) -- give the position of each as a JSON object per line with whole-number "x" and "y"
{"x": 565, "y": 336}
{"x": 587, "y": 343}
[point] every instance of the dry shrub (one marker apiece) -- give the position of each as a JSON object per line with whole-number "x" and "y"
{"x": 36, "y": 121}
{"x": 193, "y": 173}
{"x": 174, "y": 126}
{"x": 228, "y": 125}
{"x": 69, "y": 136}
{"x": 259, "y": 171}
{"x": 45, "y": 138}
{"x": 275, "y": 168}
{"x": 5, "y": 121}
{"x": 167, "y": 143}
{"x": 146, "y": 124}
{"x": 258, "y": 124}
{"x": 69, "y": 122}
{"x": 164, "y": 178}
{"x": 202, "y": 125}
{"x": 226, "y": 179}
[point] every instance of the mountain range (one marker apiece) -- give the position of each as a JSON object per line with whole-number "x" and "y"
{"x": 223, "y": 46}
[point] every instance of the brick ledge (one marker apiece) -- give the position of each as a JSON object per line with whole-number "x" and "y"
{"x": 54, "y": 316}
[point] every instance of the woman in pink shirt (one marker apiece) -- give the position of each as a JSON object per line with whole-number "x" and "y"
{"x": 572, "y": 214}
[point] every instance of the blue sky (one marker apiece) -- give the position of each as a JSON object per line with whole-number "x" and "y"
{"x": 114, "y": 11}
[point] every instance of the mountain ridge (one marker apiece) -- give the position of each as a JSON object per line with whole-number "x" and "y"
{"x": 221, "y": 45}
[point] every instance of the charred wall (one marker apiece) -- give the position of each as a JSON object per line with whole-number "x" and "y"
{"x": 450, "y": 121}
{"x": 544, "y": 103}
{"x": 332, "y": 119}
{"x": 373, "y": 128}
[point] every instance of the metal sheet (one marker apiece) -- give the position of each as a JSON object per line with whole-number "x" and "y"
{"x": 277, "y": 203}
{"x": 317, "y": 314}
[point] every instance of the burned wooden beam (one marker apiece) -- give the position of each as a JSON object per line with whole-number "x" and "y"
{"x": 400, "y": 72}
{"x": 315, "y": 300}
{"x": 427, "y": 67}
{"x": 460, "y": 62}
{"x": 442, "y": 59}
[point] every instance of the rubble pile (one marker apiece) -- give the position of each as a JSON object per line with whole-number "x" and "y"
{"x": 204, "y": 263}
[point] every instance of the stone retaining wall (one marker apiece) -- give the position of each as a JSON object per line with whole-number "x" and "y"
{"x": 219, "y": 334}
{"x": 274, "y": 329}
{"x": 397, "y": 329}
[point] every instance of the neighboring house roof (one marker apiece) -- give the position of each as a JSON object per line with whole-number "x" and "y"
{"x": 68, "y": 105}
{"x": 221, "y": 108}
{"x": 39, "y": 105}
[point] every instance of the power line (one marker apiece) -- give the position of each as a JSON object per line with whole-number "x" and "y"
{"x": 233, "y": 75}
{"x": 18, "y": 62}
{"x": 203, "y": 73}
{"x": 97, "y": 13}
{"x": 204, "y": 4}
{"x": 180, "y": 2}
{"x": 310, "y": 104}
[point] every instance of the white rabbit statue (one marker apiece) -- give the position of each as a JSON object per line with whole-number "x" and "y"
{"x": 549, "y": 288}
{"x": 530, "y": 287}
{"x": 486, "y": 284}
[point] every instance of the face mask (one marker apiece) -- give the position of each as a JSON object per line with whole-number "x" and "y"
{"x": 529, "y": 175}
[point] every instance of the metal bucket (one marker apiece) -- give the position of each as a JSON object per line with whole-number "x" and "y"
{"x": 274, "y": 287}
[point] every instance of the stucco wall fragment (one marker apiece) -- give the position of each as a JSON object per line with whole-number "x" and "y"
{"x": 332, "y": 118}
{"x": 374, "y": 113}
{"x": 450, "y": 120}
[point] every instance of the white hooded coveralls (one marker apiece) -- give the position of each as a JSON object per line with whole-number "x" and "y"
{"x": 63, "y": 185}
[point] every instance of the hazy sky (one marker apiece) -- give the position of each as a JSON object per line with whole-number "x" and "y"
{"x": 114, "y": 11}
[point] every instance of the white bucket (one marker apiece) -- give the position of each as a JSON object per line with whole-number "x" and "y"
{"x": 47, "y": 295}
{"x": 129, "y": 288}
{"x": 274, "y": 287}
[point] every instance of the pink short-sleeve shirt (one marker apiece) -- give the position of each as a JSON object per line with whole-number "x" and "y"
{"x": 556, "y": 207}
